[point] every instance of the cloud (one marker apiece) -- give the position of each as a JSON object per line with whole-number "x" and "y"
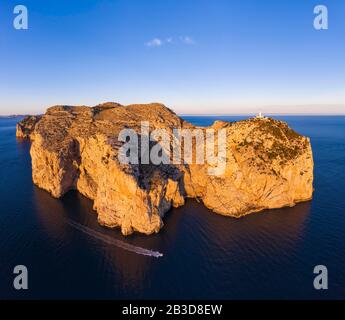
{"x": 154, "y": 43}
{"x": 157, "y": 42}
{"x": 187, "y": 40}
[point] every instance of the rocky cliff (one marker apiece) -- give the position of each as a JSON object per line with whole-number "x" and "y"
{"x": 26, "y": 127}
{"x": 267, "y": 164}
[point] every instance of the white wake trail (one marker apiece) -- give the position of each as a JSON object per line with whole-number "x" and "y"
{"x": 114, "y": 242}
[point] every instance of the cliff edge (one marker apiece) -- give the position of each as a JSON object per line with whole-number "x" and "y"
{"x": 25, "y": 127}
{"x": 266, "y": 164}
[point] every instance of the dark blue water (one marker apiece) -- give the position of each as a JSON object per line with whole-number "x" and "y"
{"x": 266, "y": 255}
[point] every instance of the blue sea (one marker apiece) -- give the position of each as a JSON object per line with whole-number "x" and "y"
{"x": 269, "y": 255}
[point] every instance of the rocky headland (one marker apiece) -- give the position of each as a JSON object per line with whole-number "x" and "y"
{"x": 267, "y": 165}
{"x": 25, "y": 128}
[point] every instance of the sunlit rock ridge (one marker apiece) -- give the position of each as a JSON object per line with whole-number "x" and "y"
{"x": 268, "y": 165}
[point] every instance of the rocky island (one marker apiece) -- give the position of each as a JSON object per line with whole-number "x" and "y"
{"x": 267, "y": 164}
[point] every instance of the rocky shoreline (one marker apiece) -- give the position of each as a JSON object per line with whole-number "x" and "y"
{"x": 267, "y": 164}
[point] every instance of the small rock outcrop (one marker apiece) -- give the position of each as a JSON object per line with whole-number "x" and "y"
{"x": 26, "y": 126}
{"x": 267, "y": 164}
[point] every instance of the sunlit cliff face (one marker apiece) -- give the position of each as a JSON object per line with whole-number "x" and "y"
{"x": 257, "y": 164}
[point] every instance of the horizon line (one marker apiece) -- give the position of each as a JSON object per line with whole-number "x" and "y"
{"x": 211, "y": 114}
{"x": 253, "y": 113}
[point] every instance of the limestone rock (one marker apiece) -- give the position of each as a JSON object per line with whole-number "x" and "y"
{"x": 26, "y": 126}
{"x": 268, "y": 165}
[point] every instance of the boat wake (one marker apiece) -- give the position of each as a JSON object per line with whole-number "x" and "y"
{"x": 114, "y": 242}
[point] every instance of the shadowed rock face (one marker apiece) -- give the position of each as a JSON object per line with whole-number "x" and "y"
{"x": 268, "y": 165}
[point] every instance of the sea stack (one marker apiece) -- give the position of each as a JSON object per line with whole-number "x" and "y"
{"x": 267, "y": 165}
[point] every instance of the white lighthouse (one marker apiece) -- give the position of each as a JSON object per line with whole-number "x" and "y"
{"x": 260, "y": 116}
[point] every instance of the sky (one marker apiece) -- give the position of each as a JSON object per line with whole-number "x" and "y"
{"x": 195, "y": 56}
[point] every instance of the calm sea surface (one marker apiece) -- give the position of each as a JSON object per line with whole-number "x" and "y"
{"x": 267, "y": 255}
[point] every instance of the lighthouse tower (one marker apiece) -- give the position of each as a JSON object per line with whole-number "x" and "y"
{"x": 260, "y": 115}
